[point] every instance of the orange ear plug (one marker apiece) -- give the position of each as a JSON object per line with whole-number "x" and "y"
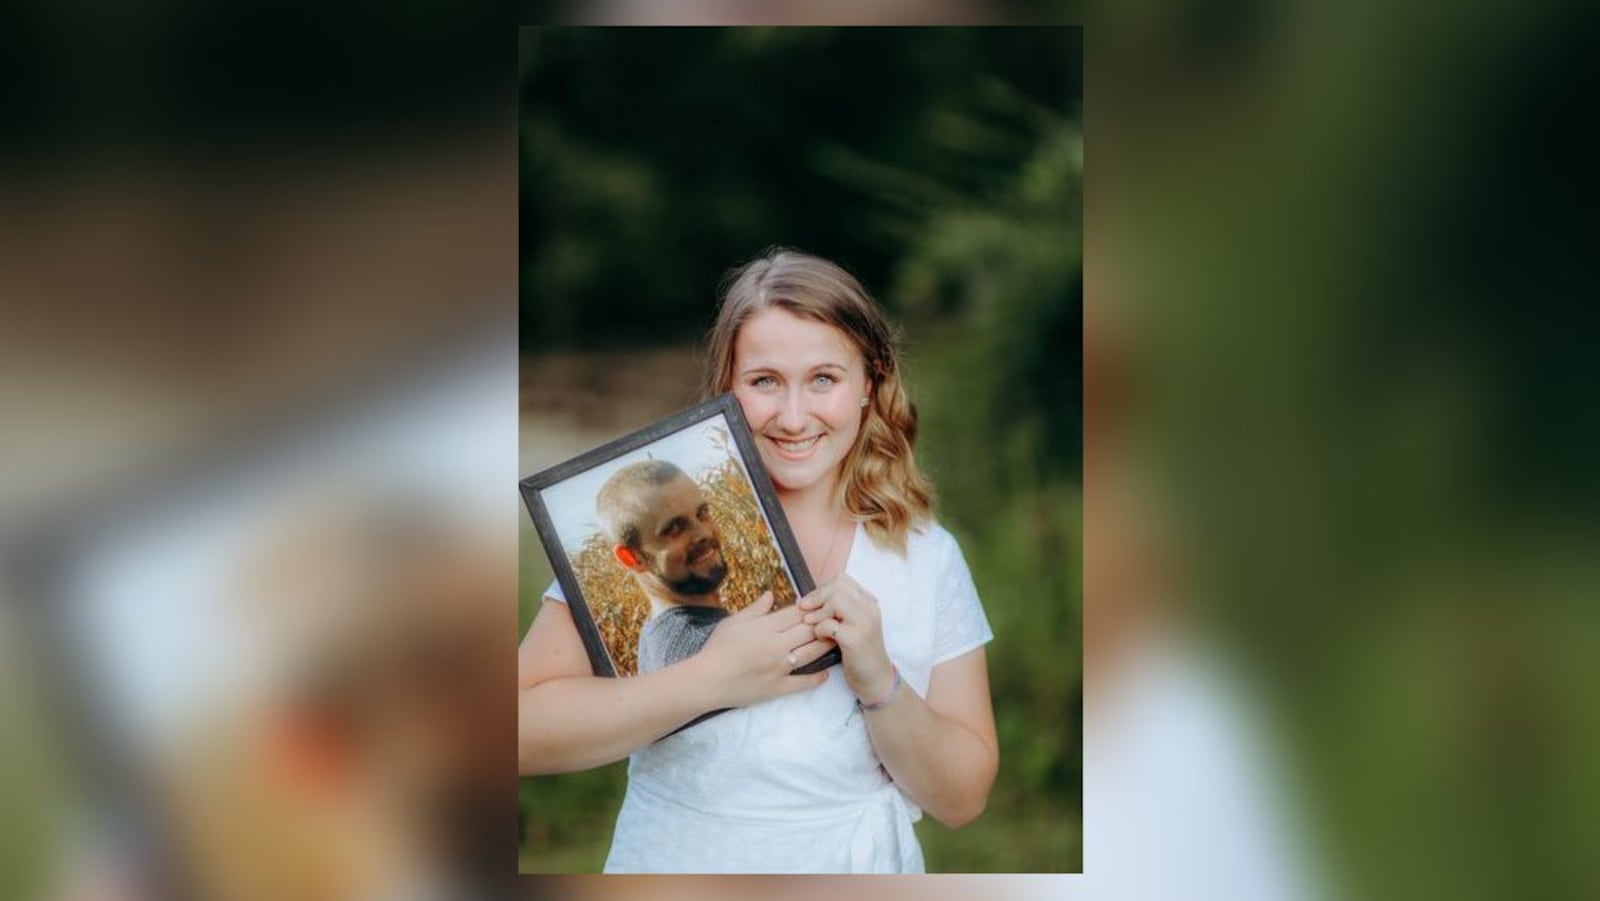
{"x": 626, "y": 556}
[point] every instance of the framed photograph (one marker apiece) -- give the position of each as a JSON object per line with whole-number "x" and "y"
{"x": 659, "y": 535}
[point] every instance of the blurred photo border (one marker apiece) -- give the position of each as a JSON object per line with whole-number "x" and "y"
{"x": 533, "y": 488}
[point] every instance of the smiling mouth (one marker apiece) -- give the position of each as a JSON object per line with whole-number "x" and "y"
{"x": 700, "y": 555}
{"x": 797, "y": 447}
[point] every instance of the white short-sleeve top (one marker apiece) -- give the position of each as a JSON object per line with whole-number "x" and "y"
{"x": 792, "y": 785}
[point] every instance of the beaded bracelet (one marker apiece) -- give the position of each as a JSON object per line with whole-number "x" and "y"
{"x": 888, "y": 696}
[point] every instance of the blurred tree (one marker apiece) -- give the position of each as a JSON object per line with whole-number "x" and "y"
{"x": 997, "y": 284}
{"x": 654, "y": 159}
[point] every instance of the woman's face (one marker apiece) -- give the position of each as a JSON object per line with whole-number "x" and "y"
{"x": 800, "y": 384}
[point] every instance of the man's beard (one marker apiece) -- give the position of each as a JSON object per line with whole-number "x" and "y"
{"x": 692, "y": 584}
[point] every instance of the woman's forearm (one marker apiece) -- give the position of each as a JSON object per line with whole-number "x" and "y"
{"x": 938, "y": 761}
{"x": 580, "y": 722}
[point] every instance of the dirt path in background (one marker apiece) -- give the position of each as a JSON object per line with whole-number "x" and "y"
{"x": 572, "y": 402}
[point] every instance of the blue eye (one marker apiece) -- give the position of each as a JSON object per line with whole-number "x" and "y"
{"x": 763, "y": 381}
{"x": 824, "y": 380}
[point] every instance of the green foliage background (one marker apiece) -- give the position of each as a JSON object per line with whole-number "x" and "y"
{"x": 943, "y": 166}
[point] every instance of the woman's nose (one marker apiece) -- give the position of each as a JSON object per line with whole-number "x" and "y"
{"x": 792, "y": 416}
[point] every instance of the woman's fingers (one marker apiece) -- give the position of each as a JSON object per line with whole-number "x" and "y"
{"x": 781, "y": 620}
{"x": 797, "y": 635}
{"x": 832, "y": 630}
{"x": 811, "y": 651}
{"x": 821, "y": 607}
{"x": 851, "y": 601}
{"x": 842, "y": 600}
{"x": 843, "y": 613}
{"x": 758, "y": 606}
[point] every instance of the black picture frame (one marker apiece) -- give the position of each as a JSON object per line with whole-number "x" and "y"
{"x": 555, "y": 497}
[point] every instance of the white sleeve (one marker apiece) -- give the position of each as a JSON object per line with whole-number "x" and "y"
{"x": 959, "y": 621}
{"x": 554, "y": 593}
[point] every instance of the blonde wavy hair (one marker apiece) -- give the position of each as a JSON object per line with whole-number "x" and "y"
{"x": 880, "y": 484}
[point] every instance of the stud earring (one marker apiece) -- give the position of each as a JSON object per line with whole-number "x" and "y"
{"x": 863, "y": 400}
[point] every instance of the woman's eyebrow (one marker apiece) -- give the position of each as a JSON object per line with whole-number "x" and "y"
{"x": 749, "y": 370}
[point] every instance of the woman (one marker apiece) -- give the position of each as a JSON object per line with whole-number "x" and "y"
{"x": 819, "y": 773}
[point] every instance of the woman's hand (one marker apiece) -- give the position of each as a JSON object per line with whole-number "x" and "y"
{"x": 750, "y": 654}
{"x": 845, "y": 612}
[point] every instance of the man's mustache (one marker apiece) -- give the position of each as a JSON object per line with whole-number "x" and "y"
{"x": 703, "y": 547}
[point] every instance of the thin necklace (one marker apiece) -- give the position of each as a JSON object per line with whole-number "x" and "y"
{"x": 832, "y": 546}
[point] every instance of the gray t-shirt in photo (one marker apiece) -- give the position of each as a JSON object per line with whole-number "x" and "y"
{"x": 676, "y": 633}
